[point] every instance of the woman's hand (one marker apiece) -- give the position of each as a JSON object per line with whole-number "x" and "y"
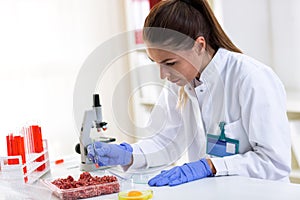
{"x": 183, "y": 174}
{"x": 110, "y": 154}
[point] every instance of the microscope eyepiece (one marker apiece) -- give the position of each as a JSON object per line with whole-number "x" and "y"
{"x": 96, "y": 100}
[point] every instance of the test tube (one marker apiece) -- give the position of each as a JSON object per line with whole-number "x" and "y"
{"x": 38, "y": 144}
{"x": 21, "y": 151}
{"x": 13, "y": 151}
{"x": 27, "y": 139}
{"x": 9, "y": 146}
{"x": 15, "y": 146}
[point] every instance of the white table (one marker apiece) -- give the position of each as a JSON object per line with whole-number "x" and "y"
{"x": 230, "y": 187}
{"x": 225, "y": 188}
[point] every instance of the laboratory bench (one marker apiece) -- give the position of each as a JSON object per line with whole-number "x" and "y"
{"x": 226, "y": 187}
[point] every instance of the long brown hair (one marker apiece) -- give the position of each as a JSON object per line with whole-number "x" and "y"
{"x": 192, "y": 18}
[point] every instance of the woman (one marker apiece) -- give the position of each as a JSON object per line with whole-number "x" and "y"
{"x": 226, "y": 109}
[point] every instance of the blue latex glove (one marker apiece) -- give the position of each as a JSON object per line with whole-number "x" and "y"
{"x": 182, "y": 174}
{"x": 109, "y": 154}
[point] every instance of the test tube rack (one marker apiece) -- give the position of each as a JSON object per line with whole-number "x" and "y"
{"x": 15, "y": 172}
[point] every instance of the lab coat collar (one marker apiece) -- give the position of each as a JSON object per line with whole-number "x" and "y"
{"x": 214, "y": 67}
{"x": 210, "y": 74}
{"x": 217, "y": 63}
{"x": 196, "y": 82}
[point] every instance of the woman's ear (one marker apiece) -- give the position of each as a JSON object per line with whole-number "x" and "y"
{"x": 199, "y": 45}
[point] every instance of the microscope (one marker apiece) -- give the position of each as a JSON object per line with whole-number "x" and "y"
{"x": 92, "y": 119}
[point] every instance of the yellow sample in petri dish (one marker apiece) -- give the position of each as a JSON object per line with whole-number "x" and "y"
{"x": 136, "y": 195}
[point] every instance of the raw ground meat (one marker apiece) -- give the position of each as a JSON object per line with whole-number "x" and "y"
{"x": 86, "y": 186}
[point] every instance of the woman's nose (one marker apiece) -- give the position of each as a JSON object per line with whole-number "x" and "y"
{"x": 164, "y": 72}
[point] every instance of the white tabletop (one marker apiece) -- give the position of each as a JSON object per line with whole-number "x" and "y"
{"x": 226, "y": 187}
{"x": 230, "y": 187}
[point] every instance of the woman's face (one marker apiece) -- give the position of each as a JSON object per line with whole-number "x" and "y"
{"x": 179, "y": 67}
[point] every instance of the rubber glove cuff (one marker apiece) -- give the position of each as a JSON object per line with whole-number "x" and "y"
{"x": 194, "y": 167}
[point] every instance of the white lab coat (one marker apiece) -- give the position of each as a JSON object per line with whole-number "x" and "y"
{"x": 234, "y": 88}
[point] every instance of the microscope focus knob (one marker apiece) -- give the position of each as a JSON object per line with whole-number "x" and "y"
{"x": 77, "y": 148}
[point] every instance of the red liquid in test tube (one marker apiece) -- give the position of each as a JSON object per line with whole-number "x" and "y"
{"x": 15, "y": 146}
{"x": 38, "y": 144}
{"x": 12, "y": 149}
{"x": 21, "y": 151}
{"x": 9, "y": 145}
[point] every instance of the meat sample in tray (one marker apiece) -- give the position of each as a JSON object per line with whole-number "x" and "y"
{"x": 86, "y": 186}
